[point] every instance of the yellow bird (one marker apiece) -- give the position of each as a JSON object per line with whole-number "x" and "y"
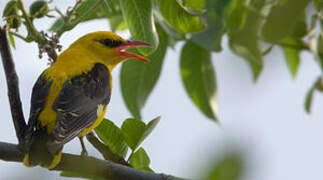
{"x": 70, "y": 97}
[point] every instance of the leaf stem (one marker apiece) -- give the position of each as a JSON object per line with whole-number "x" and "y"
{"x": 300, "y": 47}
{"x": 21, "y": 37}
{"x": 105, "y": 150}
{"x": 35, "y": 35}
{"x": 59, "y": 12}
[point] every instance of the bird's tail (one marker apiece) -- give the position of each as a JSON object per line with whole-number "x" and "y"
{"x": 40, "y": 151}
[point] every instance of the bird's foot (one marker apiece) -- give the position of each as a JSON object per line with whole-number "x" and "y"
{"x": 84, "y": 153}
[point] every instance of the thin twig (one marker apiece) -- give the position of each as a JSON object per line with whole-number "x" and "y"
{"x": 13, "y": 88}
{"x": 59, "y": 12}
{"x": 21, "y": 37}
{"x": 77, "y": 2}
{"x": 36, "y": 36}
{"x": 106, "y": 151}
{"x": 30, "y": 26}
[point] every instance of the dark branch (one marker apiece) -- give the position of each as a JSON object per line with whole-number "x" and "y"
{"x": 106, "y": 151}
{"x": 12, "y": 83}
{"x": 88, "y": 165}
{"x": 10, "y": 152}
{"x": 51, "y": 54}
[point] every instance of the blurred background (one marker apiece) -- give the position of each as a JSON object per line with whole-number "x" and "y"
{"x": 263, "y": 122}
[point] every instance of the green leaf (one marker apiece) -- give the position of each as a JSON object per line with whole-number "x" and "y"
{"x": 139, "y": 19}
{"x": 10, "y": 9}
{"x": 292, "y": 56}
{"x": 117, "y": 23}
{"x": 267, "y": 50}
{"x": 282, "y": 19}
{"x": 58, "y": 24}
{"x": 245, "y": 42}
{"x": 198, "y": 76}
{"x": 138, "y": 78}
{"x": 293, "y": 45}
{"x": 10, "y": 14}
{"x": 38, "y": 9}
{"x": 111, "y": 135}
{"x": 11, "y": 40}
{"x": 292, "y": 59}
{"x": 113, "y": 6}
{"x": 320, "y": 49}
{"x": 135, "y": 131}
{"x": 235, "y": 15}
{"x": 87, "y": 10}
{"x": 173, "y": 35}
{"x": 258, "y": 4}
{"x": 300, "y": 28}
{"x": 140, "y": 160}
{"x": 179, "y": 18}
{"x": 318, "y": 85}
{"x": 150, "y": 127}
{"x": 308, "y": 100}
{"x": 229, "y": 167}
{"x": 194, "y": 4}
{"x": 318, "y": 4}
{"x": 85, "y": 13}
{"x": 211, "y": 37}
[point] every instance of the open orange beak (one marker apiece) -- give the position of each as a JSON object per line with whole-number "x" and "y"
{"x": 132, "y": 44}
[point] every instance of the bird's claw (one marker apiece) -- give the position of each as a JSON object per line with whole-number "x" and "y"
{"x": 84, "y": 153}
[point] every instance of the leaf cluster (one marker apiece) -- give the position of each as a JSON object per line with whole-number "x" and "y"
{"x": 253, "y": 28}
{"x": 131, "y": 134}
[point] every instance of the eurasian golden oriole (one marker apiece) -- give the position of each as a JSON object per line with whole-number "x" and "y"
{"x": 70, "y": 97}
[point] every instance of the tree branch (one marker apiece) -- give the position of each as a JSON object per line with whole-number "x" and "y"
{"x": 87, "y": 165}
{"x": 10, "y": 152}
{"x": 105, "y": 150}
{"x": 13, "y": 88}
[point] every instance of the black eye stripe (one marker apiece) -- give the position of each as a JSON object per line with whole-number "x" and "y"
{"x": 111, "y": 43}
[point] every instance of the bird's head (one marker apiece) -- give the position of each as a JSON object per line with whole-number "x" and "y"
{"x": 109, "y": 47}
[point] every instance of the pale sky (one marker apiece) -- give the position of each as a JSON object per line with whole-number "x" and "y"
{"x": 266, "y": 119}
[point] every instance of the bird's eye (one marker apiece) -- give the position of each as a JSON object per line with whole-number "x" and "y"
{"x": 111, "y": 43}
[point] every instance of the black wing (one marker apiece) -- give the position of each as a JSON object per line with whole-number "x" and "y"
{"x": 38, "y": 100}
{"x": 77, "y": 103}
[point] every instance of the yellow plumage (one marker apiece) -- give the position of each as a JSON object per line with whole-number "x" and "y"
{"x": 73, "y": 71}
{"x": 77, "y": 59}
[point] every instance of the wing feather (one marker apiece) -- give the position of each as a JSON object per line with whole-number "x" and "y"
{"x": 77, "y": 103}
{"x": 38, "y": 100}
